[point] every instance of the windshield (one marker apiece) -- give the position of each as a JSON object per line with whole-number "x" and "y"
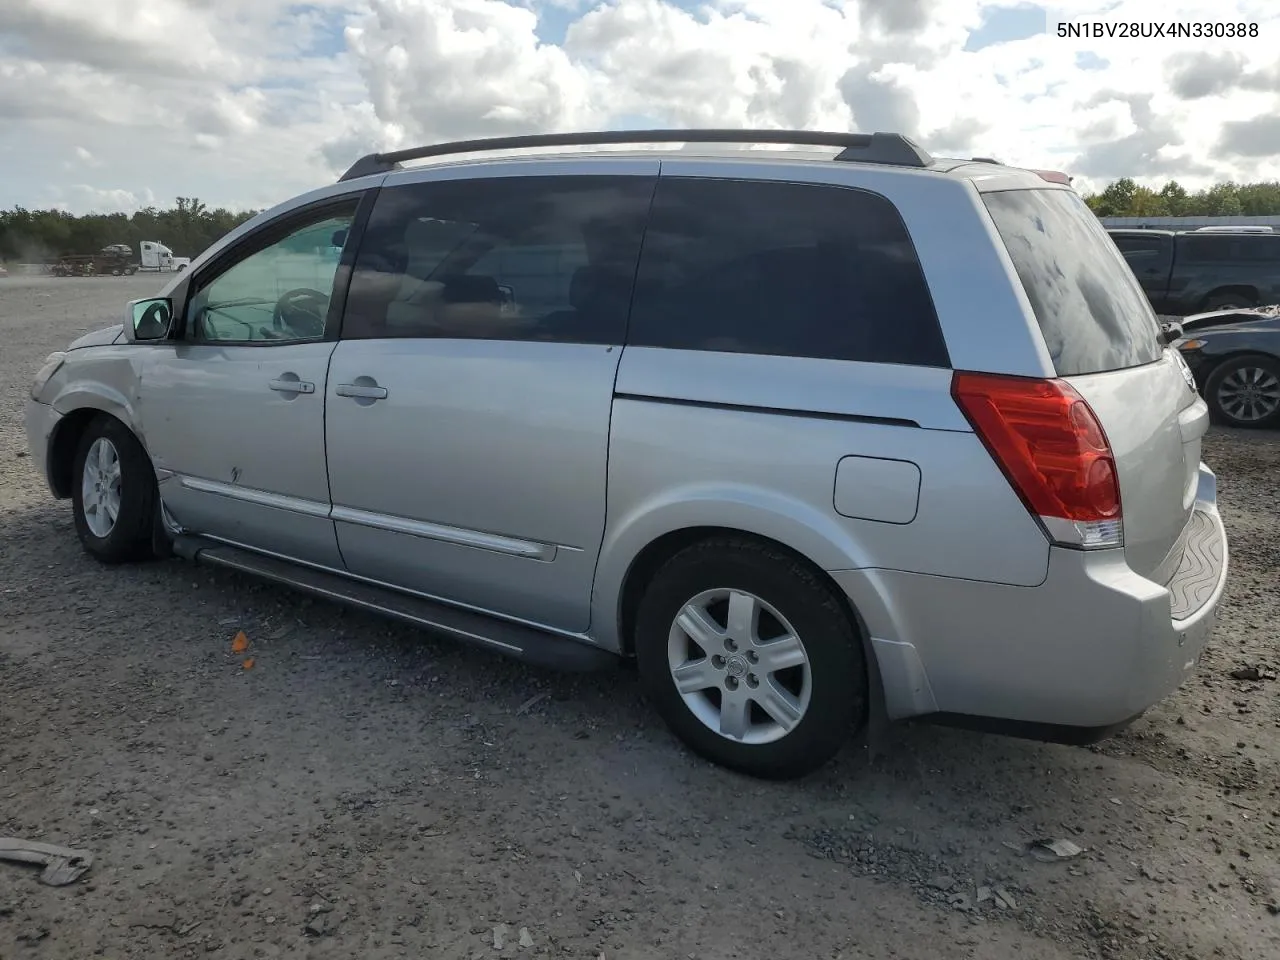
{"x": 1091, "y": 310}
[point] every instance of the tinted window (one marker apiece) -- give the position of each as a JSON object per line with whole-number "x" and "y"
{"x": 1091, "y": 310}
{"x": 280, "y": 292}
{"x": 1205, "y": 249}
{"x": 1261, "y": 248}
{"x": 1138, "y": 247}
{"x": 527, "y": 258}
{"x": 1208, "y": 248}
{"x": 783, "y": 269}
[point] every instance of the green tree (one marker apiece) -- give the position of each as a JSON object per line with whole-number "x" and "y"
{"x": 1175, "y": 198}
{"x": 1117, "y": 199}
{"x": 1259, "y": 199}
{"x": 1124, "y": 198}
{"x": 1220, "y": 200}
{"x": 1147, "y": 203}
{"x": 187, "y": 228}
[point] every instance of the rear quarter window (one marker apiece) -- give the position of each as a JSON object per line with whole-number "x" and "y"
{"x": 1091, "y": 310}
{"x": 782, "y": 269}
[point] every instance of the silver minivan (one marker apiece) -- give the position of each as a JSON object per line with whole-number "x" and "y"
{"x": 818, "y": 428}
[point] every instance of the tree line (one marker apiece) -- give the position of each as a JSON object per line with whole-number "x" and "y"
{"x": 187, "y": 228}
{"x": 1125, "y": 198}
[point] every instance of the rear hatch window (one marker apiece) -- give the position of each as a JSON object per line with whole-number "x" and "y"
{"x": 1092, "y": 312}
{"x": 1096, "y": 321}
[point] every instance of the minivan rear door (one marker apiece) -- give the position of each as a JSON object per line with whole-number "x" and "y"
{"x": 1104, "y": 340}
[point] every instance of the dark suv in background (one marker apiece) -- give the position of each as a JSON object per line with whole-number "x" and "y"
{"x": 1185, "y": 272}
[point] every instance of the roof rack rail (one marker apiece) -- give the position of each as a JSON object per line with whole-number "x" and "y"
{"x": 888, "y": 148}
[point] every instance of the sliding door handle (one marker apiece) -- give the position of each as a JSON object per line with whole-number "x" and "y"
{"x": 361, "y": 391}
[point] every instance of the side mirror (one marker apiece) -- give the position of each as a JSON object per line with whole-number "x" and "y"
{"x": 150, "y": 319}
{"x": 1170, "y": 331}
{"x": 339, "y": 239}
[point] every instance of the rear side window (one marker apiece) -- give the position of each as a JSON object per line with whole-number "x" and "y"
{"x": 783, "y": 269}
{"x": 1139, "y": 248}
{"x": 1230, "y": 249}
{"x": 1090, "y": 307}
{"x": 507, "y": 258}
{"x": 1206, "y": 249}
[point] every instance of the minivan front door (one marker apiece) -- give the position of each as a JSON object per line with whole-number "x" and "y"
{"x": 469, "y": 399}
{"x": 232, "y": 413}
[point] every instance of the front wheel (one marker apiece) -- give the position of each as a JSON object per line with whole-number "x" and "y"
{"x": 1245, "y": 392}
{"x": 750, "y": 658}
{"x": 114, "y": 494}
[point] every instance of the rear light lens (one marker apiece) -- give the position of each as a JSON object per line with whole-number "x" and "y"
{"x": 1053, "y": 450}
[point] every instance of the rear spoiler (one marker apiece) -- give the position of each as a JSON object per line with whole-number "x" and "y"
{"x": 1054, "y": 176}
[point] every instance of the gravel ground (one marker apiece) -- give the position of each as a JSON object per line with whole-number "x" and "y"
{"x": 371, "y": 790}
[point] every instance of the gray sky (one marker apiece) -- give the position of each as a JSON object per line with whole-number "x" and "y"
{"x": 116, "y": 104}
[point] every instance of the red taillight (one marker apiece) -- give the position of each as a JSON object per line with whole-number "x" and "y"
{"x": 1052, "y": 448}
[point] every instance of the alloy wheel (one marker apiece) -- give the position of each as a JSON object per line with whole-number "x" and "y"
{"x": 100, "y": 488}
{"x": 739, "y": 666}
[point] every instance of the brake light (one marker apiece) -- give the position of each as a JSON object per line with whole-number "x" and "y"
{"x": 1054, "y": 452}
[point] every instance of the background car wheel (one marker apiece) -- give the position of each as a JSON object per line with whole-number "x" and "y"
{"x": 1245, "y": 392}
{"x": 114, "y": 493}
{"x": 750, "y": 658}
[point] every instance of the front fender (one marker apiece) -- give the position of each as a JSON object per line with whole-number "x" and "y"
{"x": 736, "y": 507}
{"x": 89, "y": 395}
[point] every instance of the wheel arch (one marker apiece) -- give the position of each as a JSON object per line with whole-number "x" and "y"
{"x": 662, "y": 548}
{"x": 66, "y": 435}
{"x": 638, "y": 540}
{"x": 1241, "y": 289}
{"x": 658, "y": 551}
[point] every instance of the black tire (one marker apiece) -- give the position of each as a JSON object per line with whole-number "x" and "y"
{"x": 837, "y": 672}
{"x": 1226, "y": 301}
{"x": 1227, "y": 372}
{"x": 130, "y": 537}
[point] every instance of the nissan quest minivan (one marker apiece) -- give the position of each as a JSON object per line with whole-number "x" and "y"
{"x": 815, "y": 427}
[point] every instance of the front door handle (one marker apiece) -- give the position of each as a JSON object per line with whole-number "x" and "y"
{"x": 292, "y": 386}
{"x": 361, "y": 391}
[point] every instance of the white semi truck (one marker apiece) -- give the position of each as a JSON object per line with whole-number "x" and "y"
{"x": 117, "y": 260}
{"x": 154, "y": 255}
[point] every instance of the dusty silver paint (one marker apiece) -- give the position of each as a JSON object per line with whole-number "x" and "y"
{"x": 505, "y": 477}
{"x": 476, "y": 439}
{"x": 209, "y": 415}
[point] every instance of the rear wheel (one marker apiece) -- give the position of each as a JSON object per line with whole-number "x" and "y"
{"x": 1245, "y": 391}
{"x": 114, "y": 493}
{"x": 750, "y": 658}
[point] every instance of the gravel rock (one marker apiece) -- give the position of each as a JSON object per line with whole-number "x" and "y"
{"x": 329, "y": 784}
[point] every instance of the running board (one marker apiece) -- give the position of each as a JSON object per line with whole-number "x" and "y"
{"x": 515, "y": 640}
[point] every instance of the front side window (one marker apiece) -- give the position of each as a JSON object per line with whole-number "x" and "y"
{"x": 783, "y": 269}
{"x": 280, "y": 292}
{"x": 507, "y": 258}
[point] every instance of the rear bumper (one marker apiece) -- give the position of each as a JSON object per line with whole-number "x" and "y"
{"x": 40, "y": 421}
{"x": 1092, "y": 647}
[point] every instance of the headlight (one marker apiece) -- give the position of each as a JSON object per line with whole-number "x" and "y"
{"x": 47, "y": 370}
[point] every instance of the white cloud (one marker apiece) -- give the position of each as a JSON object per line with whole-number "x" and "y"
{"x": 248, "y": 101}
